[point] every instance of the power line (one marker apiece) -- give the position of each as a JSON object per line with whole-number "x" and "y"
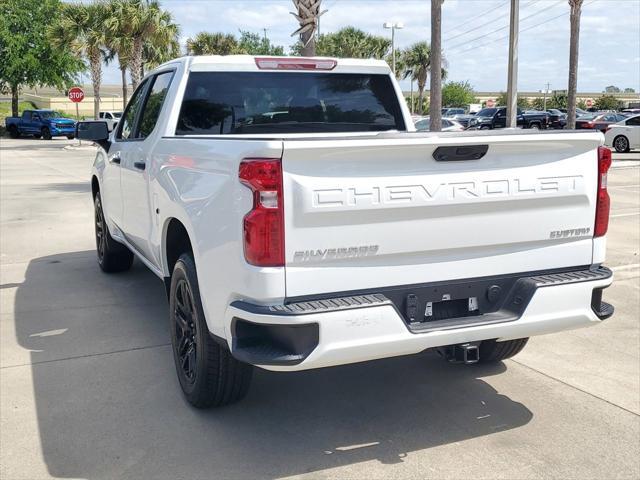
{"x": 475, "y": 17}
{"x": 487, "y": 23}
{"x": 465, "y": 43}
{"x": 523, "y": 30}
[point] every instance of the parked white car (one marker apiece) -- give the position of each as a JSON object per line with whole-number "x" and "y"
{"x": 448, "y": 125}
{"x": 624, "y": 135}
{"x": 299, "y": 221}
{"x": 111, "y": 118}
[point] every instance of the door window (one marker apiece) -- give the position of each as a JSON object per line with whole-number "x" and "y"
{"x": 125, "y": 131}
{"x": 634, "y": 121}
{"x": 153, "y": 104}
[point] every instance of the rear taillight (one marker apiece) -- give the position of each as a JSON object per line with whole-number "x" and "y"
{"x": 602, "y": 202}
{"x": 275, "y": 63}
{"x": 264, "y": 224}
{"x": 589, "y": 125}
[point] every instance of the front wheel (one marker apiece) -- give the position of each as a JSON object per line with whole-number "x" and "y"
{"x": 46, "y": 133}
{"x": 112, "y": 256}
{"x": 534, "y": 126}
{"x": 621, "y": 144}
{"x": 71, "y": 137}
{"x": 209, "y": 376}
{"x": 492, "y": 351}
{"x": 14, "y": 132}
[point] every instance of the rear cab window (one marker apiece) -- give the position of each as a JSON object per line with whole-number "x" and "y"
{"x": 223, "y": 103}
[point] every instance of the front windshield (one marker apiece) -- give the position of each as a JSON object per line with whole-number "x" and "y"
{"x": 588, "y": 117}
{"x": 50, "y": 114}
{"x": 117, "y": 114}
{"x": 487, "y": 112}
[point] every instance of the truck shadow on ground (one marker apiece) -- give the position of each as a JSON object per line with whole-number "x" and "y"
{"x": 109, "y": 405}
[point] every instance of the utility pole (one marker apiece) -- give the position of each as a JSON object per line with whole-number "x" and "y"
{"x": 546, "y": 90}
{"x": 512, "y": 79}
{"x": 435, "y": 86}
{"x": 393, "y": 27}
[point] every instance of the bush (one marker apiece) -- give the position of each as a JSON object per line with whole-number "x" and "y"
{"x": 608, "y": 102}
{"x": 458, "y": 94}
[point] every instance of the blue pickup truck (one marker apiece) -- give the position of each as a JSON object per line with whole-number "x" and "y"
{"x": 41, "y": 123}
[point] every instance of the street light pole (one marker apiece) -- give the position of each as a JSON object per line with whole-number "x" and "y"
{"x": 393, "y": 27}
{"x": 546, "y": 90}
{"x": 512, "y": 80}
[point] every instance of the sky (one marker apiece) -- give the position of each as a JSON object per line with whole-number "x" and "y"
{"x": 474, "y": 33}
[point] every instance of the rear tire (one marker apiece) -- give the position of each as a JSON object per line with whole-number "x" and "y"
{"x": 534, "y": 126}
{"x": 112, "y": 256}
{"x": 36, "y": 135}
{"x": 621, "y": 144}
{"x": 71, "y": 137}
{"x": 13, "y": 132}
{"x": 492, "y": 351}
{"x": 209, "y": 376}
{"x": 46, "y": 133}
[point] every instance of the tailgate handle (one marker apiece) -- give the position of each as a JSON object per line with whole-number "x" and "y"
{"x": 455, "y": 153}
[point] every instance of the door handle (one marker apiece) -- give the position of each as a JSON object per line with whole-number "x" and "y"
{"x": 139, "y": 165}
{"x": 115, "y": 158}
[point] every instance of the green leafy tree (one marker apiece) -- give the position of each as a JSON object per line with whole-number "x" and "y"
{"x": 80, "y": 29}
{"x": 253, "y": 44}
{"x": 558, "y": 100}
{"x": 608, "y": 102}
{"x": 207, "y": 43}
{"x": 582, "y": 104}
{"x": 523, "y": 102}
{"x": 27, "y": 58}
{"x": 457, "y": 94}
{"x": 538, "y": 103}
{"x": 612, "y": 89}
{"x": 629, "y": 90}
{"x": 349, "y": 42}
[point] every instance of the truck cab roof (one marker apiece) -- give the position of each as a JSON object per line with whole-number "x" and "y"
{"x": 256, "y": 63}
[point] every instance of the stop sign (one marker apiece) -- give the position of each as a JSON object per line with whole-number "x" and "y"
{"x": 589, "y": 102}
{"x": 490, "y": 103}
{"x": 76, "y": 94}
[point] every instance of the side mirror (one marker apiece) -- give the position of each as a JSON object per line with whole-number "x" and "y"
{"x": 94, "y": 131}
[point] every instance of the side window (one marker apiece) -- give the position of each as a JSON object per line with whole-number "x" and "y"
{"x": 126, "y": 125}
{"x": 101, "y": 115}
{"x": 153, "y": 104}
{"x": 634, "y": 121}
{"x": 502, "y": 113}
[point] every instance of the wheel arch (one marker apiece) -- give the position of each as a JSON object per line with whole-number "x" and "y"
{"x": 175, "y": 241}
{"x": 95, "y": 186}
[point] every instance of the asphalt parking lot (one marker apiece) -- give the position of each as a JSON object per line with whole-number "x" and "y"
{"x": 88, "y": 388}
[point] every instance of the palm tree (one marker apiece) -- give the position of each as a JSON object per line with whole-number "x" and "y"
{"x": 142, "y": 21}
{"x": 163, "y": 45}
{"x": 80, "y": 28}
{"x": 576, "y": 8}
{"x": 206, "y": 43}
{"x": 415, "y": 63}
{"x": 307, "y": 13}
{"x": 435, "y": 89}
{"x": 119, "y": 45}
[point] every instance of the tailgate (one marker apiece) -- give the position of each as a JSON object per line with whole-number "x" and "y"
{"x": 373, "y": 212}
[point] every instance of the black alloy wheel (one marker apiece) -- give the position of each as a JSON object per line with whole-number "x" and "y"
{"x": 101, "y": 231}
{"x": 186, "y": 345}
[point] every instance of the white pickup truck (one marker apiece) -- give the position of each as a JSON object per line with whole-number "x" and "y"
{"x": 299, "y": 221}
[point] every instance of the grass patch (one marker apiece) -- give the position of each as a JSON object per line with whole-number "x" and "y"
{"x": 5, "y": 109}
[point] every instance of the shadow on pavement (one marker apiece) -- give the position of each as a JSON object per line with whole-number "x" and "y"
{"x": 115, "y": 409}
